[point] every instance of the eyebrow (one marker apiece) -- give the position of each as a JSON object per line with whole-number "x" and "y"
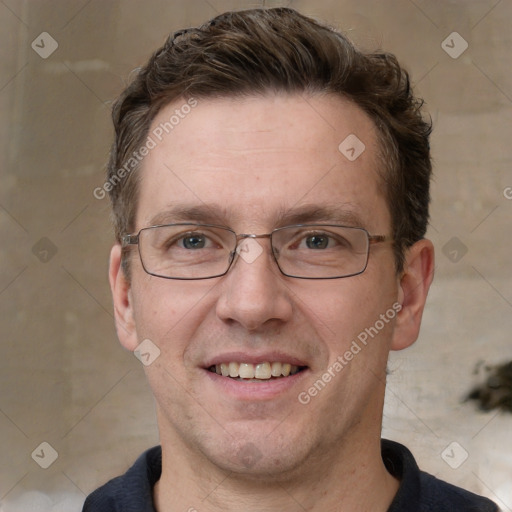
{"x": 343, "y": 213}
{"x": 205, "y": 214}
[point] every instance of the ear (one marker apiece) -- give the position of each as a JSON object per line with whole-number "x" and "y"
{"x": 413, "y": 289}
{"x": 123, "y": 301}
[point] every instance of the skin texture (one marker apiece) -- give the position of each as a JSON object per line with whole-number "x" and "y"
{"x": 253, "y": 163}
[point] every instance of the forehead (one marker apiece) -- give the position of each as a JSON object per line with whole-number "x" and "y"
{"x": 256, "y": 160}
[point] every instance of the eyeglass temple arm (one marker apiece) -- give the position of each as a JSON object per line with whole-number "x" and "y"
{"x": 129, "y": 240}
{"x": 376, "y": 239}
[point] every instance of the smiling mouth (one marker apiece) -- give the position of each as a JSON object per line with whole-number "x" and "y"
{"x": 256, "y": 372}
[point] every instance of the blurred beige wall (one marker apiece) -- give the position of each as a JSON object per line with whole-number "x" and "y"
{"x": 63, "y": 378}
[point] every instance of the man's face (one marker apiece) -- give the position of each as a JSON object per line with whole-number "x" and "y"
{"x": 254, "y": 165}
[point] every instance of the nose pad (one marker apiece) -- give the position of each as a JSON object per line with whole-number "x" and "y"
{"x": 249, "y": 249}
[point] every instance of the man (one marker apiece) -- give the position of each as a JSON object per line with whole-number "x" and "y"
{"x": 270, "y": 188}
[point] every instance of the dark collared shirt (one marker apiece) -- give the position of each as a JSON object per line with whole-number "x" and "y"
{"x": 418, "y": 492}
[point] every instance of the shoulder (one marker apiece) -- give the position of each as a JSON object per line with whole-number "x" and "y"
{"x": 132, "y": 491}
{"x": 438, "y": 496}
{"x": 422, "y": 492}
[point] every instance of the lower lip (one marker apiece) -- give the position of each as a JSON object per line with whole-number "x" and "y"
{"x": 250, "y": 391}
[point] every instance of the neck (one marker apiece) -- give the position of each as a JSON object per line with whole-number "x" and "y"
{"x": 353, "y": 478}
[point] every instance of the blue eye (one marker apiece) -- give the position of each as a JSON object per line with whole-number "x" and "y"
{"x": 317, "y": 242}
{"x": 194, "y": 242}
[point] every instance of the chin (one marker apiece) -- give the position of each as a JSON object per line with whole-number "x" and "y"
{"x": 258, "y": 457}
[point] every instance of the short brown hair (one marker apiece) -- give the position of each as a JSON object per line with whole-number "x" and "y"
{"x": 279, "y": 50}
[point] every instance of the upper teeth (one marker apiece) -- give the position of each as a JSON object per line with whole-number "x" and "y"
{"x": 255, "y": 371}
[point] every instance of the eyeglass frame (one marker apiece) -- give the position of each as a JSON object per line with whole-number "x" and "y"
{"x": 133, "y": 239}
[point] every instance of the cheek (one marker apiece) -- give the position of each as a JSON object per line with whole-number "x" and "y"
{"x": 345, "y": 310}
{"x": 169, "y": 312}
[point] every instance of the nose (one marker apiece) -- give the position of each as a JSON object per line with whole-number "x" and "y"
{"x": 253, "y": 292}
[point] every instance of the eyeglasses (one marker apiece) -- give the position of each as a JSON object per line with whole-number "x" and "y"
{"x": 205, "y": 251}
